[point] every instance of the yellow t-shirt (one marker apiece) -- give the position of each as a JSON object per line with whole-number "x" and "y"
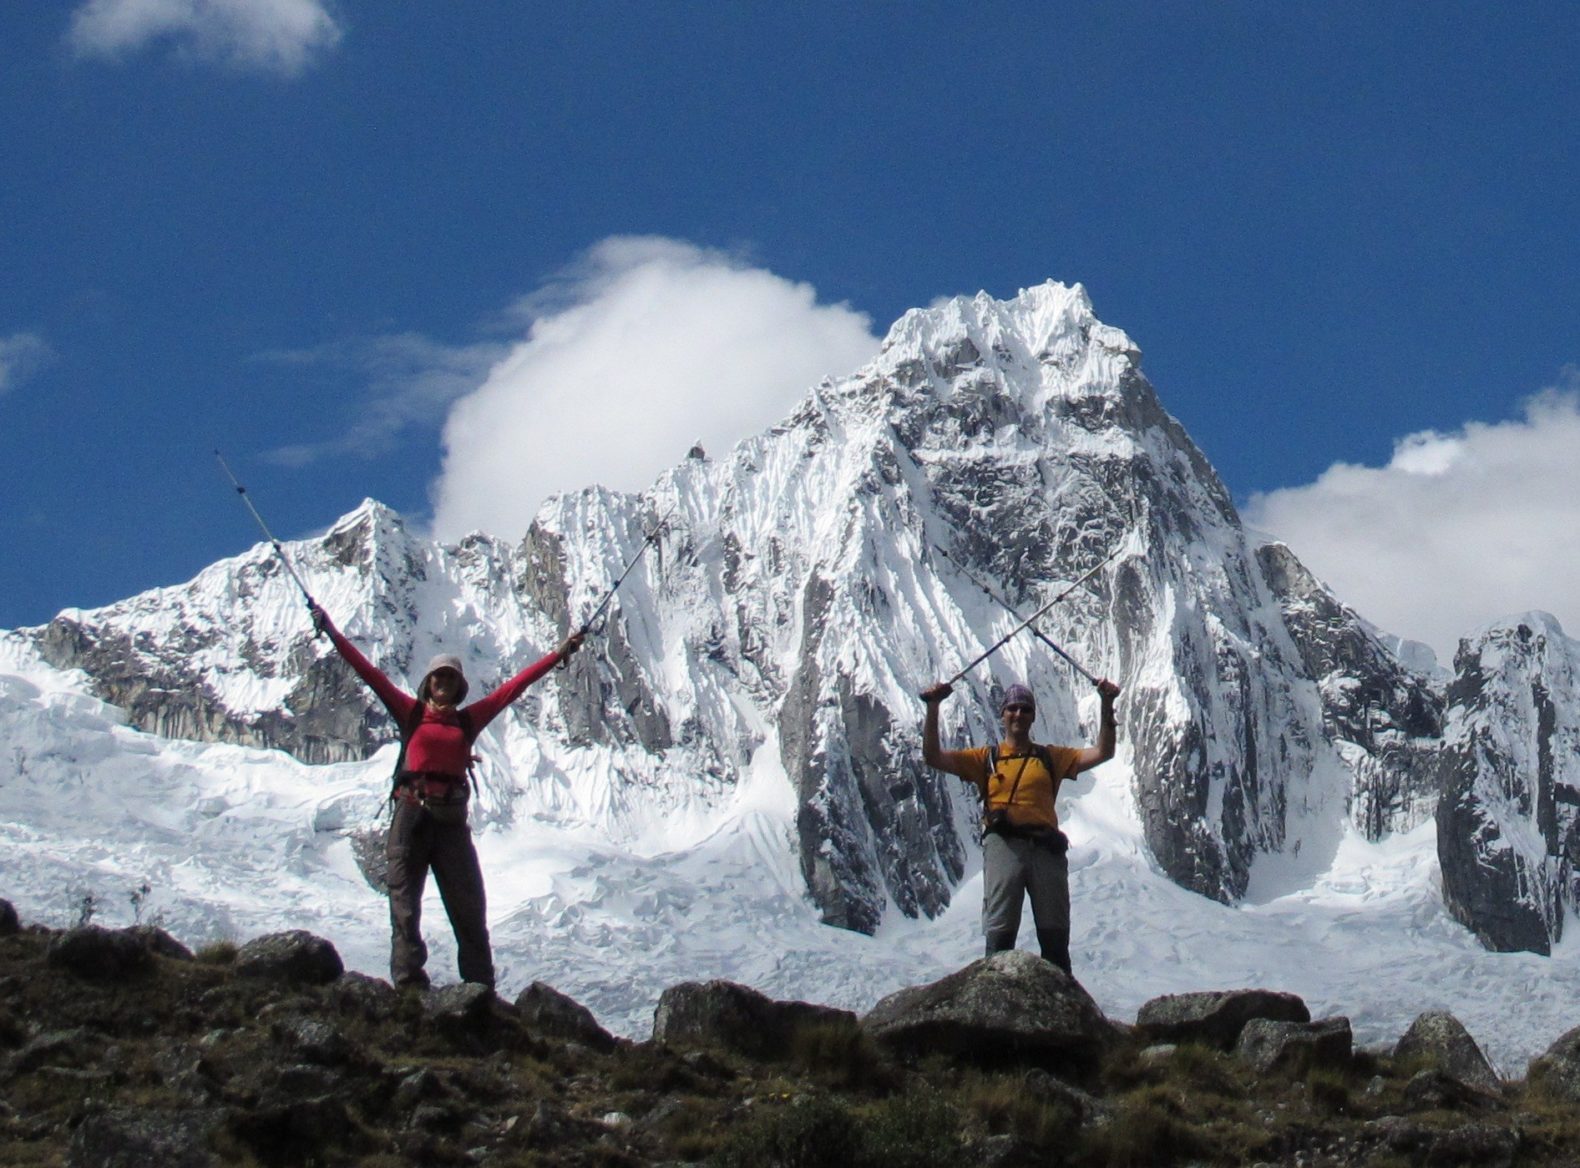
{"x": 1034, "y": 793}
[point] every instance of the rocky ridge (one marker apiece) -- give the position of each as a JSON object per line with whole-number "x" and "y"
{"x": 120, "y": 1047}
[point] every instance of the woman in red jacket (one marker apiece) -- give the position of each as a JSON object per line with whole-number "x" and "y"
{"x": 429, "y": 829}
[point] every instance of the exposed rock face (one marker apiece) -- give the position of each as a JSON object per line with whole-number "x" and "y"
{"x": 293, "y": 956}
{"x": 1442, "y": 1039}
{"x": 1216, "y": 1017}
{"x": 137, "y": 1137}
{"x": 736, "y": 1017}
{"x": 1010, "y": 1006}
{"x": 1557, "y": 1070}
{"x": 101, "y": 954}
{"x": 1508, "y": 837}
{"x": 1295, "y": 1047}
{"x": 1385, "y": 718}
{"x": 546, "y": 1010}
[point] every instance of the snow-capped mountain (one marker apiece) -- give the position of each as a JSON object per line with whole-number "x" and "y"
{"x": 751, "y": 697}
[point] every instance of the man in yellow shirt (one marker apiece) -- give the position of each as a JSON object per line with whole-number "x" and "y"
{"x": 1023, "y": 850}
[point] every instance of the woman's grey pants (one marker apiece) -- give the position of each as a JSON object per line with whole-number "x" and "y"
{"x": 417, "y": 842}
{"x": 1012, "y": 867}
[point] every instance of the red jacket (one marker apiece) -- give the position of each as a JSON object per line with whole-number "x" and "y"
{"x": 439, "y": 745}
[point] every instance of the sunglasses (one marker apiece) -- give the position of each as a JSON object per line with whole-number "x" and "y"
{"x": 1017, "y": 708}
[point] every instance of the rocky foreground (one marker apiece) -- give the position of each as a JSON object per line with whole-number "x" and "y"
{"x": 120, "y": 1047}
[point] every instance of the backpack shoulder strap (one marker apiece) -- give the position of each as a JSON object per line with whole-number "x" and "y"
{"x": 413, "y": 720}
{"x": 1046, "y": 756}
{"x": 468, "y": 728}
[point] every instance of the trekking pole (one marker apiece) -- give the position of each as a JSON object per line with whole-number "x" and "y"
{"x": 647, "y": 540}
{"x": 278, "y": 550}
{"x": 1004, "y": 640}
{"x": 1005, "y": 605}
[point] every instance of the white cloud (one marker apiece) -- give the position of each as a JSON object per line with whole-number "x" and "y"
{"x": 21, "y": 355}
{"x": 1457, "y": 530}
{"x": 644, "y": 347}
{"x": 272, "y": 35}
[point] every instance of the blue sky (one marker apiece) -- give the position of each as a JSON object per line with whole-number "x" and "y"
{"x": 304, "y": 232}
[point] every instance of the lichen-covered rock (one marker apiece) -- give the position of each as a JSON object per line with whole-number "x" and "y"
{"x": 1441, "y": 1039}
{"x": 735, "y": 1017}
{"x": 547, "y": 1011}
{"x": 1215, "y": 1017}
{"x": 316, "y": 1042}
{"x": 1010, "y": 1006}
{"x": 1435, "y": 1090}
{"x": 77, "y": 1047}
{"x": 296, "y": 956}
{"x": 1557, "y": 1070}
{"x": 138, "y": 1137}
{"x": 371, "y": 998}
{"x": 466, "y": 1003}
{"x": 1295, "y": 1047}
{"x": 1475, "y": 1145}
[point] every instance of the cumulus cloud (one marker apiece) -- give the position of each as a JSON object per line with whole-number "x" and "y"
{"x": 411, "y": 383}
{"x": 1457, "y": 530}
{"x": 21, "y": 356}
{"x": 644, "y": 347}
{"x": 278, "y": 36}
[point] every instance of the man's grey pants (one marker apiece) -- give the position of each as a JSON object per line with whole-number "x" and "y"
{"x": 1012, "y": 867}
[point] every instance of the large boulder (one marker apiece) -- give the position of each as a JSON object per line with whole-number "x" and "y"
{"x": 296, "y": 957}
{"x": 9, "y": 922}
{"x": 1441, "y": 1039}
{"x": 139, "y": 1136}
{"x": 100, "y": 954}
{"x": 468, "y": 1016}
{"x": 160, "y": 943}
{"x": 547, "y": 1011}
{"x": 736, "y": 1017}
{"x": 1557, "y": 1070}
{"x": 1215, "y": 1017}
{"x": 1296, "y": 1047}
{"x": 357, "y": 995}
{"x": 1010, "y": 1007}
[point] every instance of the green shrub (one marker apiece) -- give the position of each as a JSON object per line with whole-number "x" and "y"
{"x": 840, "y": 1054}
{"x": 810, "y": 1132}
{"x": 916, "y": 1129}
{"x": 1328, "y": 1090}
{"x": 218, "y": 953}
{"x": 1147, "y": 1131}
{"x": 1006, "y": 1105}
{"x": 1195, "y": 1068}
